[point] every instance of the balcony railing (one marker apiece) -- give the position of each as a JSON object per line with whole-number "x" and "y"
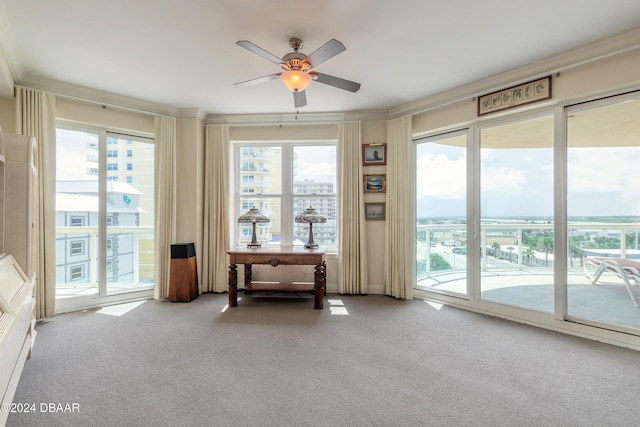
{"x": 139, "y": 259}
{"x": 511, "y": 234}
{"x": 522, "y": 275}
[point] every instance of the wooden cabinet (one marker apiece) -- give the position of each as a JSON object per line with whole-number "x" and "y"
{"x": 183, "y": 285}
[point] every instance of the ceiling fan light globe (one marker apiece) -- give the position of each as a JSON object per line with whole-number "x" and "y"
{"x": 295, "y": 80}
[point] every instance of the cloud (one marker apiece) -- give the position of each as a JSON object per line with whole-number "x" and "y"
{"x": 607, "y": 170}
{"x": 503, "y": 180}
{"x": 441, "y": 177}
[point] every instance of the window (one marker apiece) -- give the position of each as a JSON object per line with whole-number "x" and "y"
{"x": 129, "y": 166}
{"x": 129, "y": 180}
{"x": 283, "y": 181}
{"x": 115, "y": 234}
{"x": 76, "y": 273}
{"x": 129, "y": 153}
{"x": 76, "y": 221}
{"x": 76, "y": 247}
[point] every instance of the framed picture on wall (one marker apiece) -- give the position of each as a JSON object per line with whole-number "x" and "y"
{"x": 526, "y": 93}
{"x": 374, "y": 154}
{"x": 374, "y": 211}
{"x": 375, "y": 183}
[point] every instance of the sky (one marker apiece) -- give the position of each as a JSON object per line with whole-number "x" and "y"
{"x": 519, "y": 182}
{"x": 514, "y": 182}
{"x": 317, "y": 163}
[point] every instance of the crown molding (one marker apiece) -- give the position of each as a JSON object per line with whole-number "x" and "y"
{"x": 262, "y": 119}
{"x": 10, "y": 64}
{"x": 194, "y": 112}
{"x": 8, "y": 45}
{"x": 6, "y": 77}
{"x": 603, "y": 49}
{"x": 292, "y": 118}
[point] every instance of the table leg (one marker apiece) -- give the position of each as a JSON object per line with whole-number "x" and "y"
{"x": 324, "y": 277}
{"x": 233, "y": 285}
{"x": 247, "y": 278}
{"x": 318, "y": 288}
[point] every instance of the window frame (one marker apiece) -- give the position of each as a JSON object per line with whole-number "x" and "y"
{"x": 286, "y": 196}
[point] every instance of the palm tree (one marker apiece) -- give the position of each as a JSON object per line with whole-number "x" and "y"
{"x": 574, "y": 252}
{"x": 546, "y": 244}
{"x": 528, "y": 253}
{"x": 496, "y": 247}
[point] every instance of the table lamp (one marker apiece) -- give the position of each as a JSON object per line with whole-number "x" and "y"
{"x": 310, "y": 216}
{"x": 253, "y": 216}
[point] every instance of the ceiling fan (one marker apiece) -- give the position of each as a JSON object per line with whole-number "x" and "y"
{"x": 298, "y": 67}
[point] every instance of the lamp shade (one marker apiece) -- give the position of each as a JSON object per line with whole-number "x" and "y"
{"x": 295, "y": 80}
{"x": 310, "y": 216}
{"x": 253, "y": 216}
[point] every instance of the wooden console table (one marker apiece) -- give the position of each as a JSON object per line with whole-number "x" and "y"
{"x": 291, "y": 255}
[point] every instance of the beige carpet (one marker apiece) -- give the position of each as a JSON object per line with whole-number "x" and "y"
{"x": 362, "y": 361}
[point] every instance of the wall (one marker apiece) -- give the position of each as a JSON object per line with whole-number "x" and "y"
{"x": 101, "y": 115}
{"x": 7, "y": 115}
{"x": 190, "y": 184}
{"x": 375, "y": 131}
{"x": 619, "y": 72}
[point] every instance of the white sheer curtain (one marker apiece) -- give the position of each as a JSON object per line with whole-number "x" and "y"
{"x": 216, "y": 237}
{"x": 398, "y": 273}
{"x": 353, "y": 278}
{"x": 36, "y": 116}
{"x": 165, "y": 201}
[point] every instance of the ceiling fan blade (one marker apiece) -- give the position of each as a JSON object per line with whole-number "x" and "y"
{"x": 299, "y": 99}
{"x": 259, "y": 51}
{"x": 325, "y": 52}
{"x": 337, "y": 82}
{"x": 258, "y": 80}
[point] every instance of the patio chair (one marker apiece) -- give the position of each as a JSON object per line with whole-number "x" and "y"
{"x": 628, "y": 270}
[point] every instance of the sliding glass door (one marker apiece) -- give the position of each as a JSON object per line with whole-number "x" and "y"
{"x": 603, "y": 209}
{"x": 552, "y": 226}
{"x": 441, "y": 212}
{"x": 104, "y": 217}
{"x": 516, "y": 204}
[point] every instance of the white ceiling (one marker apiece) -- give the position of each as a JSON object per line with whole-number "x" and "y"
{"x": 182, "y": 53}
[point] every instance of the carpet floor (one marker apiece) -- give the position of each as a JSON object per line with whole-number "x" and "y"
{"x": 362, "y": 361}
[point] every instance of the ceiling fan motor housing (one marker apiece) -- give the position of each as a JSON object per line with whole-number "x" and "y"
{"x": 295, "y": 61}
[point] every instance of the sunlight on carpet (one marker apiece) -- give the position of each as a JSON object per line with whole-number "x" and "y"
{"x": 435, "y": 305}
{"x": 120, "y": 309}
{"x": 337, "y": 307}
